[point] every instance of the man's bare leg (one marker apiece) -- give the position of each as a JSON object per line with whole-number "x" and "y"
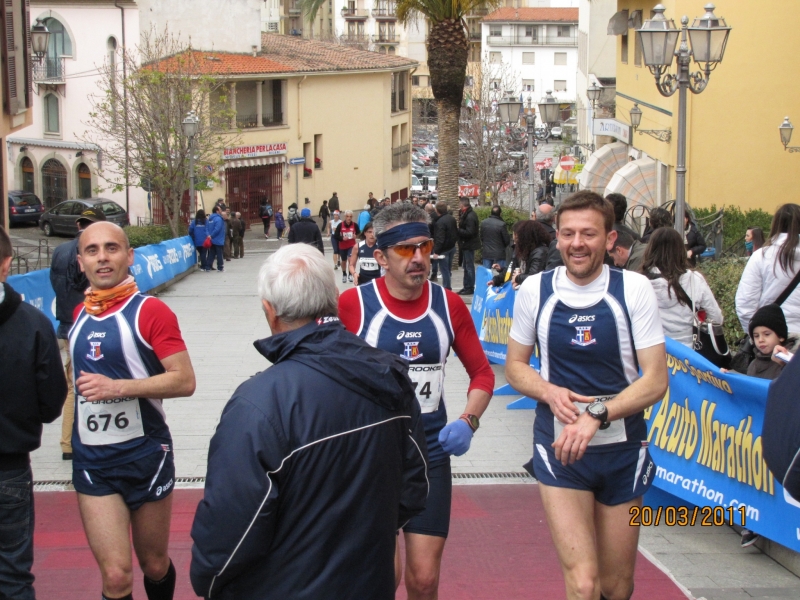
{"x": 617, "y": 547}
{"x": 106, "y": 521}
{"x": 398, "y": 564}
{"x": 423, "y": 563}
{"x": 150, "y": 525}
{"x": 570, "y": 516}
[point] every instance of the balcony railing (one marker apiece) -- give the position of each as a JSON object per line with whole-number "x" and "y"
{"x": 400, "y": 157}
{"x": 478, "y": 12}
{"x": 267, "y": 120}
{"x": 355, "y": 38}
{"x": 50, "y": 70}
{"x": 385, "y": 11}
{"x": 355, "y": 13}
{"x": 520, "y": 40}
{"x": 474, "y": 35}
{"x": 295, "y": 11}
{"x": 386, "y": 38}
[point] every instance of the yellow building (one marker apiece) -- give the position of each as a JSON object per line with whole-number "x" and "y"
{"x": 733, "y": 151}
{"x": 343, "y": 113}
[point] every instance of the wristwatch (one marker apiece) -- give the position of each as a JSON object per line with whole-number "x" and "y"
{"x": 598, "y": 410}
{"x": 473, "y": 421}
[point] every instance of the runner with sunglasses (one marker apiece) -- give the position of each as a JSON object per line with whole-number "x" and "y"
{"x": 404, "y": 313}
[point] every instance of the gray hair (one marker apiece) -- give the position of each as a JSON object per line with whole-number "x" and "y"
{"x": 394, "y": 214}
{"x": 546, "y": 218}
{"x": 348, "y": 212}
{"x": 299, "y": 283}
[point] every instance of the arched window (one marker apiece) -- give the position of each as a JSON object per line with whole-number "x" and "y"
{"x": 84, "y": 181}
{"x": 54, "y": 183}
{"x": 51, "y": 121}
{"x": 27, "y": 175}
{"x": 59, "y": 43}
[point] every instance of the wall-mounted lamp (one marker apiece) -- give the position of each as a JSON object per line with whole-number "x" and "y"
{"x": 39, "y": 38}
{"x": 23, "y": 149}
{"x": 786, "y": 129}
{"x": 662, "y": 135}
{"x": 79, "y": 153}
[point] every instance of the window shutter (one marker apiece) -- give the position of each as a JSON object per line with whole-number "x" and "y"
{"x": 15, "y": 68}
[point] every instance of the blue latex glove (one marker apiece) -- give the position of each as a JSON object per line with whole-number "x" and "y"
{"x": 456, "y": 437}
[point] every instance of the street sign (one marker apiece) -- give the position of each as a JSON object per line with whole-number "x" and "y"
{"x": 567, "y": 163}
{"x": 297, "y": 161}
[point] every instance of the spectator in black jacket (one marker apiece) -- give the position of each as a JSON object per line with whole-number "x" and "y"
{"x": 32, "y": 393}
{"x": 69, "y": 283}
{"x": 445, "y": 237}
{"x": 316, "y": 461}
{"x": 620, "y": 204}
{"x": 659, "y": 217}
{"x": 531, "y": 242}
{"x": 494, "y": 239}
{"x": 306, "y": 231}
{"x": 333, "y": 203}
{"x": 469, "y": 241}
{"x": 693, "y": 239}
{"x": 433, "y": 216}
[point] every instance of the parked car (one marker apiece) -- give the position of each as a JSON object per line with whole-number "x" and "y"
{"x": 61, "y": 218}
{"x": 24, "y": 207}
{"x": 555, "y": 133}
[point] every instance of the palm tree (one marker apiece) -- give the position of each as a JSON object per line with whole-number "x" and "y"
{"x": 448, "y": 51}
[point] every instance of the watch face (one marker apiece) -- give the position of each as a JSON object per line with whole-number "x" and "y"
{"x": 597, "y": 409}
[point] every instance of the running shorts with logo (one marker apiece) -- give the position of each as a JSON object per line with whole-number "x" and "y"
{"x": 123, "y": 435}
{"x": 587, "y": 341}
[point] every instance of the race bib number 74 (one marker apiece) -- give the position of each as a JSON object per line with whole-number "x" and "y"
{"x": 109, "y": 421}
{"x": 428, "y": 381}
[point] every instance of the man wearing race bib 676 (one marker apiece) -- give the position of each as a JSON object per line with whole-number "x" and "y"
{"x": 128, "y": 354}
{"x": 405, "y": 314}
{"x": 595, "y": 327}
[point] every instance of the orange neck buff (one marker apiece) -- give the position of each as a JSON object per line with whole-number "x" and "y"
{"x": 99, "y": 301}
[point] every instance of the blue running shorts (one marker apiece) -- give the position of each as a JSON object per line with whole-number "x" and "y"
{"x": 435, "y": 519}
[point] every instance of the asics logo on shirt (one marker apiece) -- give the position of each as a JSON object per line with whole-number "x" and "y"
{"x": 581, "y": 319}
{"x": 96, "y": 334}
{"x": 409, "y": 334}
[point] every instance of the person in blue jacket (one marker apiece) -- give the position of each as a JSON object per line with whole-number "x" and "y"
{"x": 198, "y": 231}
{"x": 311, "y": 471}
{"x": 217, "y": 230}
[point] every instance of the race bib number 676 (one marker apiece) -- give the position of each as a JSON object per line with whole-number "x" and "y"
{"x": 109, "y": 421}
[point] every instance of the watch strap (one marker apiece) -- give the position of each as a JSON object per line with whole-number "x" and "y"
{"x": 468, "y": 418}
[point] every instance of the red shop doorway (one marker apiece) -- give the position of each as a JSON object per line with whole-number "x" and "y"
{"x": 248, "y": 185}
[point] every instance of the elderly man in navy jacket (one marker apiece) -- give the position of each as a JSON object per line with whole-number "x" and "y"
{"x": 313, "y": 468}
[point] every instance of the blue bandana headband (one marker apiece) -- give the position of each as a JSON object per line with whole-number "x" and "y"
{"x": 401, "y": 233}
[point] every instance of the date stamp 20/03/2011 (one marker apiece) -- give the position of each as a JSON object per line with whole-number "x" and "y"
{"x": 682, "y": 516}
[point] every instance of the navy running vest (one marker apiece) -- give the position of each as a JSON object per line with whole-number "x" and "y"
{"x": 121, "y": 430}
{"x": 589, "y": 351}
{"x": 424, "y": 342}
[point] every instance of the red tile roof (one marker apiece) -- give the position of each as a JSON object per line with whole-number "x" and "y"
{"x": 534, "y": 15}
{"x": 286, "y": 54}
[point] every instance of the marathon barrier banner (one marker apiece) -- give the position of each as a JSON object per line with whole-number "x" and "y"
{"x": 157, "y": 264}
{"x": 152, "y": 266}
{"x": 705, "y": 439}
{"x": 35, "y": 289}
{"x": 705, "y": 435}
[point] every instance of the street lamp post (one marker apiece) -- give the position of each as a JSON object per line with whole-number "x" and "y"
{"x": 708, "y": 37}
{"x": 190, "y": 130}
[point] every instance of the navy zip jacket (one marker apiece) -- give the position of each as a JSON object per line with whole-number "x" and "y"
{"x": 315, "y": 464}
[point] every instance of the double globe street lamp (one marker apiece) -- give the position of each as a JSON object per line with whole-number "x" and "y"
{"x": 509, "y": 110}
{"x": 707, "y": 38}
{"x": 190, "y": 126}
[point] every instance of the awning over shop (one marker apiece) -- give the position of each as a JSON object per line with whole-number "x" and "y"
{"x": 602, "y": 165}
{"x": 254, "y": 162}
{"x": 561, "y": 176}
{"x": 618, "y": 24}
{"x": 637, "y": 182}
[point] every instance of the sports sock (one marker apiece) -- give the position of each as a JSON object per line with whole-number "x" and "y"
{"x": 164, "y": 589}
{"x": 128, "y": 597}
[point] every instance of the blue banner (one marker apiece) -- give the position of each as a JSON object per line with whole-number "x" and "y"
{"x": 36, "y": 290}
{"x": 152, "y": 266}
{"x": 705, "y": 439}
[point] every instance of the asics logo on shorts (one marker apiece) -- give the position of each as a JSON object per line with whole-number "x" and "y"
{"x": 163, "y": 488}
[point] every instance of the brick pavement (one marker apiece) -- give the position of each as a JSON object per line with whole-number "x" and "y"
{"x": 220, "y": 317}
